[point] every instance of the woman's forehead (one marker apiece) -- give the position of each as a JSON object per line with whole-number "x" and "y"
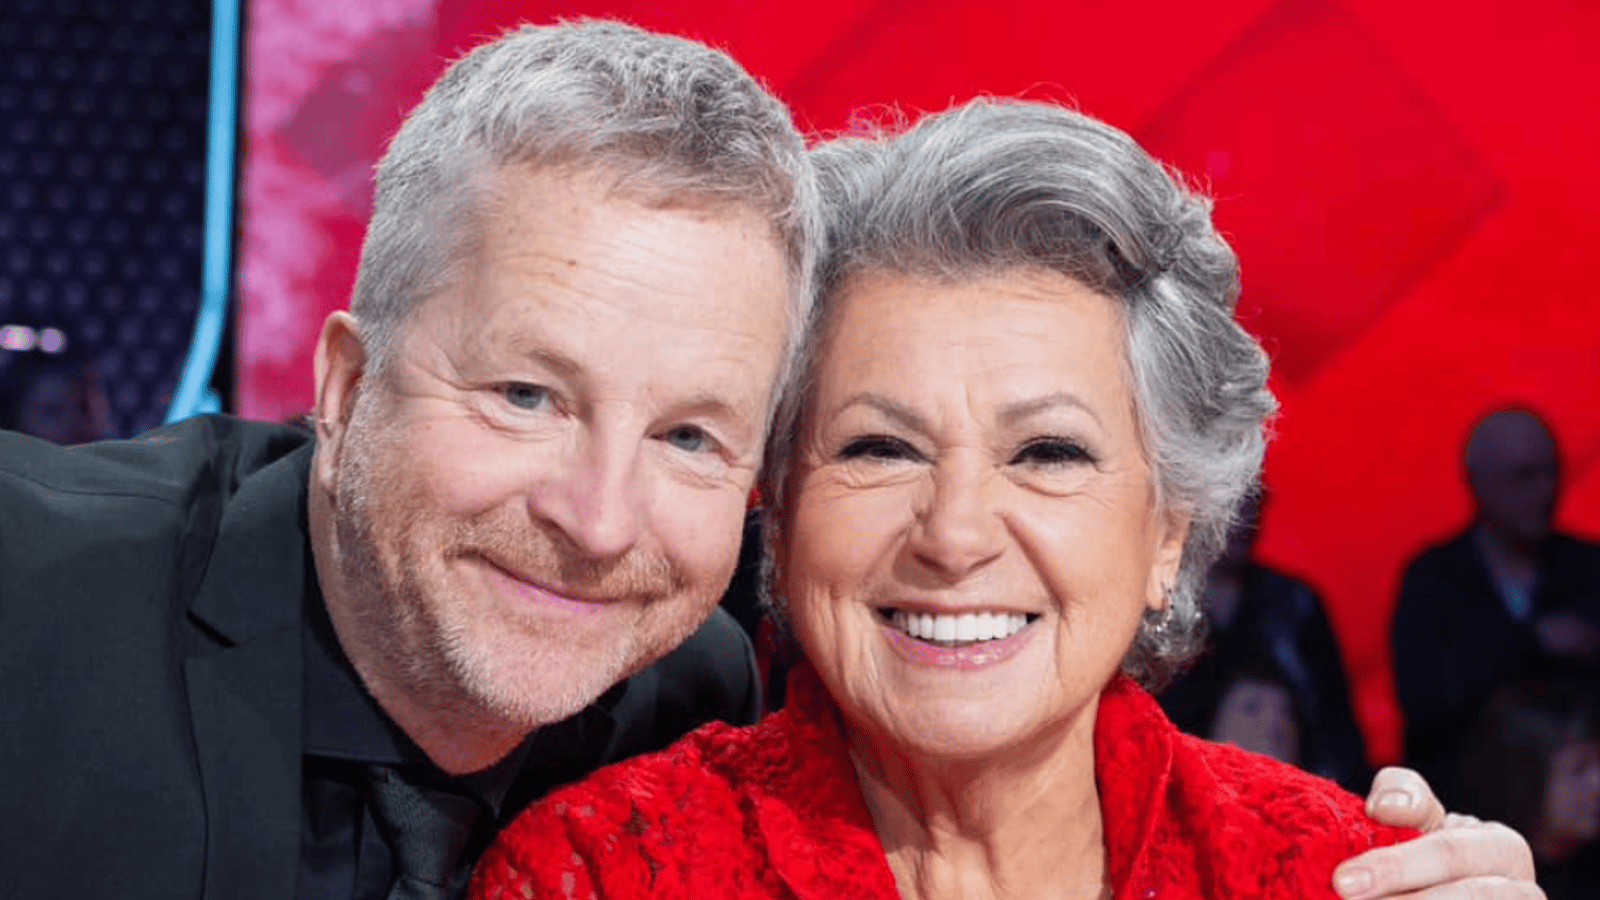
{"x": 886, "y": 323}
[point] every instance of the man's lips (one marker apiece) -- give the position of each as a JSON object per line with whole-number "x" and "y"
{"x": 560, "y": 598}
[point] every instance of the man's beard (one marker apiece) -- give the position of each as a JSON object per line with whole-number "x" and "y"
{"x": 455, "y": 653}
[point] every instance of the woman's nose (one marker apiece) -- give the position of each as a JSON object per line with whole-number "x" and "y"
{"x": 959, "y": 529}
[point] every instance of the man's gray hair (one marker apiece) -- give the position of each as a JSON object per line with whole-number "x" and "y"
{"x": 674, "y": 121}
{"x": 995, "y": 186}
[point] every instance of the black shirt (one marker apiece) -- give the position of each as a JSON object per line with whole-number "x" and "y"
{"x": 343, "y": 853}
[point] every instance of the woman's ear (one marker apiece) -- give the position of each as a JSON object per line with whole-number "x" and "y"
{"x": 1168, "y": 560}
{"x": 341, "y": 363}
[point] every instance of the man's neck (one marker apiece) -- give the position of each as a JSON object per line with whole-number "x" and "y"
{"x": 452, "y": 727}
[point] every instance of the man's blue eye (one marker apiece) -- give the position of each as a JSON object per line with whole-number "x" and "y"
{"x": 688, "y": 438}
{"x": 526, "y": 396}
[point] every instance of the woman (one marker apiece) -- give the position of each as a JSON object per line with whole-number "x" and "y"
{"x": 1024, "y": 426}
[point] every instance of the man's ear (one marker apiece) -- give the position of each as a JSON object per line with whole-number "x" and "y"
{"x": 341, "y": 363}
{"x": 1168, "y": 558}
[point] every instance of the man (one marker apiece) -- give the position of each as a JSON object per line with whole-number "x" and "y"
{"x": 240, "y": 664}
{"x": 1506, "y": 598}
{"x": 537, "y": 431}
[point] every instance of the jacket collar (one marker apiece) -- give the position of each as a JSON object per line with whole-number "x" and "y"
{"x": 818, "y": 830}
{"x": 823, "y": 843}
{"x": 244, "y": 682}
{"x": 1133, "y": 748}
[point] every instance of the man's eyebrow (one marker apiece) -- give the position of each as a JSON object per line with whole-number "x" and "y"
{"x": 554, "y": 360}
{"x": 709, "y": 403}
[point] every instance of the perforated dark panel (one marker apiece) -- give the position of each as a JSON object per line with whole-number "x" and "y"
{"x": 102, "y": 175}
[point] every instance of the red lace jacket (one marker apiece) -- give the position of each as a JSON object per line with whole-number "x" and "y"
{"x": 774, "y": 811}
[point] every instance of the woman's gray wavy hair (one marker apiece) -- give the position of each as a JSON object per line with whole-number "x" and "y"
{"x": 997, "y": 185}
{"x": 674, "y": 121}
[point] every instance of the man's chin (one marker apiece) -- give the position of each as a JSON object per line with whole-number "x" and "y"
{"x": 550, "y": 691}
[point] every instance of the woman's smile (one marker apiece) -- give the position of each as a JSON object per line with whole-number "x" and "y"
{"x": 964, "y": 642}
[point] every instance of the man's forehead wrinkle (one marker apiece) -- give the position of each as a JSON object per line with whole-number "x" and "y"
{"x": 586, "y": 273}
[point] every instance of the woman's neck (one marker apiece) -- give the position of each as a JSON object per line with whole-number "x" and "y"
{"x": 1027, "y": 827}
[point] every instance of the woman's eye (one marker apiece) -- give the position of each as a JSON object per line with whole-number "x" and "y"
{"x": 878, "y": 447}
{"x": 525, "y": 396}
{"x": 1052, "y": 452}
{"x": 688, "y": 438}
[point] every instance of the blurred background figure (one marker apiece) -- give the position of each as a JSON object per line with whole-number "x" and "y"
{"x": 1534, "y": 763}
{"x": 1264, "y": 621}
{"x": 51, "y": 388}
{"x": 1255, "y": 710}
{"x": 1504, "y": 599}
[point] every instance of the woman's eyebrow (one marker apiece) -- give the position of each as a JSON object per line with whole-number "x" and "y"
{"x": 902, "y": 414}
{"x": 1013, "y": 413}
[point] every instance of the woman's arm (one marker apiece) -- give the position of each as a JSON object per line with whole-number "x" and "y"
{"x": 1458, "y": 858}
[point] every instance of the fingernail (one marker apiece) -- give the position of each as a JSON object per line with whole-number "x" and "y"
{"x": 1396, "y": 800}
{"x": 1353, "y": 883}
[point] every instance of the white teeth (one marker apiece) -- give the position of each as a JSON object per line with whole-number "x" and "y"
{"x": 963, "y": 628}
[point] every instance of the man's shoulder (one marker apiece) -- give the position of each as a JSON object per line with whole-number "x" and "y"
{"x": 1449, "y": 551}
{"x": 1571, "y": 549}
{"x": 1448, "y": 561}
{"x": 711, "y": 676}
{"x": 717, "y": 655}
{"x": 130, "y": 519}
{"x": 166, "y": 465}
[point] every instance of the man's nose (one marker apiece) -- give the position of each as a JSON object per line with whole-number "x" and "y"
{"x": 596, "y": 498}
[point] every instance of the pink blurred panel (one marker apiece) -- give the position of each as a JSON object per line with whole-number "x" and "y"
{"x": 326, "y": 84}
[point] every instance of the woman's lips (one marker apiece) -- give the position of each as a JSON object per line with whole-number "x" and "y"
{"x": 938, "y": 652}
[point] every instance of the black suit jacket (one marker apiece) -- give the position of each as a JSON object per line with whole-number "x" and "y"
{"x": 150, "y": 668}
{"x": 1455, "y": 642}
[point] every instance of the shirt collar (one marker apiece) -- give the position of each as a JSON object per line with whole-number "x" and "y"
{"x": 343, "y": 721}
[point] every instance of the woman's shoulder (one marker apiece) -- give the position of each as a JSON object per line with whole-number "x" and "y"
{"x": 678, "y": 822}
{"x": 1269, "y": 821}
{"x": 1260, "y": 789}
{"x": 1181, "y": 811}
{"x": 621, "y": 829}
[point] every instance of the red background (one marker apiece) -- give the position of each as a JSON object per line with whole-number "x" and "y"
{"x": 1412, "y": 188}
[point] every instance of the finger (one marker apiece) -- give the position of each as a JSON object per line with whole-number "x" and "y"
{"x": 1481, "y": 851}
{"x": 1401, "y": 797}
{"x": 1489, "y": 887}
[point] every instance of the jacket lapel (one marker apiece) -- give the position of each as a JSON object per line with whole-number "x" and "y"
{"x": 245, "y": 686}
{"x": 810, "y": 810}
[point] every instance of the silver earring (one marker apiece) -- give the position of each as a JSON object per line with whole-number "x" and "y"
{"x": 1162, "y": 620}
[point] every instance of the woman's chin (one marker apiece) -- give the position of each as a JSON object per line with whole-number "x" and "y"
{"x": 967, "y": 731}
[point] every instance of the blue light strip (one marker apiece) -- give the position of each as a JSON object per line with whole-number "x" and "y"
{"x": 194, "y": 393}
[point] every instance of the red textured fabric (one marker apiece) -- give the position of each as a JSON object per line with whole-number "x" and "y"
{"x": 774, "y": 811}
